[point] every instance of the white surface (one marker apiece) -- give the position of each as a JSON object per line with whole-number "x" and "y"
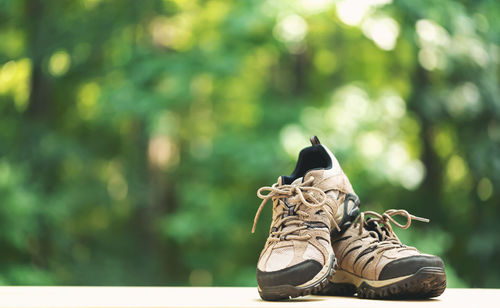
{"x": 216, "y": 297}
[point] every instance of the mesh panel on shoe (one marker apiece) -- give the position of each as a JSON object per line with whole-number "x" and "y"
{"x": 279, "y": 259}
{"x": 324, "y": 242}
{"x": 312, "y": 253}
{"x": 334, "y": 194}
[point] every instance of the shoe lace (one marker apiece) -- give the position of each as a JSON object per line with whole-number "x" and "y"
{"x": 386, "y": 218}
{"x": 287, "y": 216}
{"x": 388, "y": 239}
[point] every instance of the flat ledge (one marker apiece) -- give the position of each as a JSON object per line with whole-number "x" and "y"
{"x": 144, "y": 297}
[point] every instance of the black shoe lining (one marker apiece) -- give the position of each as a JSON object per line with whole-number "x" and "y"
{"x": 313, "y": 157}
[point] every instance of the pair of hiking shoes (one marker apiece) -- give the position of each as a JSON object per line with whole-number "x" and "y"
{"x": 320, "y": 243}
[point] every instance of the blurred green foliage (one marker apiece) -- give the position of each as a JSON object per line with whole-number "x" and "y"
{"x": 134, "y": 134}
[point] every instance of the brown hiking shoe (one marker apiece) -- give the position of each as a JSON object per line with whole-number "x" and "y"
{"x": 373, "y": 262}
{"x": 308, "y": 205}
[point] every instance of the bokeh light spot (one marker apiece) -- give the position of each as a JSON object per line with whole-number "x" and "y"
{"x": 428, "y": 59}
{"x": 484, "y": 189}
{"x": 291, "y": 29}
{"x": 383, "y": 31}
{"x": 173, "y": 32}
{"x": 430, "y": 32}
{"x": 315, "y": 6}
{"x": 59, "y": 63}
{"x": 464, "y": 100}
{"x": 394, "y": 105}
{"x": 412, "y": 175}
{"x": 371, "y": 144}
{"x": 443, "y": 143}
{"x": 162, "y": 152}
{"x": 87, "y": 100}
{"x": 15, "y": 81}
{"x": 456, "y": 169}
{"x": 352, "y": 12}
{"x": 293, "y": 139}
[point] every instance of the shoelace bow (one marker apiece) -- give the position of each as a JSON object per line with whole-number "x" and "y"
{"x": 386, "y": 218}
{"x": 305, "y": 193}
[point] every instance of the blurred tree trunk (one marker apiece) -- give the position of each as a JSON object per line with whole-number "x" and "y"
{"x": 39, "y": 101}
{"x": 431, "y": 187}
{"x": 38, "y": 110}
{"x": 433, "y": 180}
{"x": 300, "y": 68}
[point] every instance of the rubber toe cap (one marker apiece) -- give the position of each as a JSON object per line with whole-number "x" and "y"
{"x": 293, "y": 275}
{"x": 409, "y": 265}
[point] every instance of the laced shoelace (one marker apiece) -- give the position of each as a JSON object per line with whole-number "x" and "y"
{"x": 305, "y": 193}
{"x": 390, "y": 240}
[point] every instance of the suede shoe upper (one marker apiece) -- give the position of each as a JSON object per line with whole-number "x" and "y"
{"x": 371, "y": 250}
{"x": 307, "y": 206}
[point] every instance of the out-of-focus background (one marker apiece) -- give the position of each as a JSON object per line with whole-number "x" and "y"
{"x": 134, "y": 134}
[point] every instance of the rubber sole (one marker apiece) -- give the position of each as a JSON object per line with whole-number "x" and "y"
{"x": 427, "y": 282}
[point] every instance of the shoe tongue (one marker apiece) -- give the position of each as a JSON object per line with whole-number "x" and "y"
{"x": 296, "y": 182}
{"x": 373, "y": 225}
